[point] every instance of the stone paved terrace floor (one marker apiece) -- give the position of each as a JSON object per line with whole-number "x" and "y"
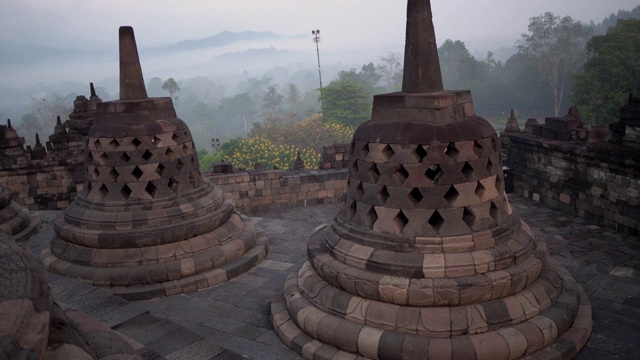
{"x": 231, "y": 321}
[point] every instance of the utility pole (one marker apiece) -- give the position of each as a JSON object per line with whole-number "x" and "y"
{"x": 316, "y": 39}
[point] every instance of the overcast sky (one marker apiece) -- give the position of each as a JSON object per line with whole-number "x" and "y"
{"x": 344, "y": 24}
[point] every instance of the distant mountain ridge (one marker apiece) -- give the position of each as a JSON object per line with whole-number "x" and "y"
{"x": 222, "y": 39}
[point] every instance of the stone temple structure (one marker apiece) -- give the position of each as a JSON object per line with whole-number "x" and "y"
{"x": 427, "y": 259}
{"x": 16, "y": 221}
{"x": 147, "y": 224}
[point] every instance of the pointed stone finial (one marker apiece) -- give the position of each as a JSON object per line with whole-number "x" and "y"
{"x": 58, "y": 121}
{"x": 131, "y": 80}
{"x": 93, "y": 90}
{"x": 38, "y": 140}
{"x": 513, "y": 114}
{"x": 9, "y": 123}
{"x": 421, "y": 65}
{"x": 298, "y": 164}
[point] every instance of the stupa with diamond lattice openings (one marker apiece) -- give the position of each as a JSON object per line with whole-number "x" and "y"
{"x": 427, "y": 259}
{"x": 147, "y": 223}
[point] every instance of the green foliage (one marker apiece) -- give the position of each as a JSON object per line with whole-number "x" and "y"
{"x": 260, "y": 150}
{"x": 171, "y": 86}
{"x": 272, "y": 100}
{"x": 346, "y": 102}
{"x": 276, "y": 142}
{"x": 611, "y": 72}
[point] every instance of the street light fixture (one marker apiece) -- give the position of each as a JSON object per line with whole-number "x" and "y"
{"x": 316, "y": 39}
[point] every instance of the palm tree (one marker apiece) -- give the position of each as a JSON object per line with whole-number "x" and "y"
{"x": 171, "y": 86}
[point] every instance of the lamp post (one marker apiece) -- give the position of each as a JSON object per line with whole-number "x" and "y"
{"x": 316, "y": 39}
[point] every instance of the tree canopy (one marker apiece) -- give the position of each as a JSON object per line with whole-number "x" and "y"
{"x": 171, "y": 86}
{"x": 557, "y": 46}
{"x": 611, "y": 72}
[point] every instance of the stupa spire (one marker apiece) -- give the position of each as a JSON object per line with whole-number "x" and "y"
{"x": 421, "y": 65}
{"x": 93, "y": 89}
{"x": 131, "y": 79}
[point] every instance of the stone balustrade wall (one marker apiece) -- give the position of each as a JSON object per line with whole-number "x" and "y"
{"x": 44, "y": 185}
{"x": 598, "y": 183}
{"x": 261, "y": 190}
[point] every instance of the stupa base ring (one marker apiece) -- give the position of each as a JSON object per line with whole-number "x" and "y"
{"x": 192, "y": 280}
{"x": 327, "y": 336}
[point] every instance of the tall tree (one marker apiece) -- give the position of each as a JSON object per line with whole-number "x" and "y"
{"x": 390, "y": 70}
{"x": 171, "y": 86}
{"x": 557, "y": 44}
{"x": 457, "y": 64}
{"x": 346, "y": 102}
{"x": 611, "y": 72}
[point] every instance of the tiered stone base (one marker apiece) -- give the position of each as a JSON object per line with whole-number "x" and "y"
{"x": 25, "y": 303}
{"x": 507, "y": 301}
{"x": 206, "y": 268}
{"x": 15, "y": 220}
{"x": 332, "y": 324}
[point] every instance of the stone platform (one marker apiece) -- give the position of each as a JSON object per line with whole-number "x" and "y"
{"x": 231, "y": 321}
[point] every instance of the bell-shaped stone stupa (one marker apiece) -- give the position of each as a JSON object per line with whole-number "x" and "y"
{"x": 427, "y": 259}
{"x": 147, "y": 223}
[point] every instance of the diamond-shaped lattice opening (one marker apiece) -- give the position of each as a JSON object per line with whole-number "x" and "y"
{"x": 400, "y": 222}
{"x": 185, "y": 148}
{"x": 383, "y": 195}
{"x": 175, "y": 137}
{"x": 113, "y": 144}
{"x": 467, "y": 170}
{"x": 494, "y": 144}
{"x": 170, "y": 154}
{"x": 155, "y": 140}
{"x": 359, "y": 192}
{"x": 104, "y": 157}
{"x": 126, "y": 191}
{"x": 147, "y": 155}
{"x": 371, "y": 217}
{"x": 136, "y": 142}
{"x": 90, "y": 156}
{"x": 490, "y": 166}
{"x": 193, "y": 162}
{"x": 150, "y": 189}
{"x": 125, "y": 157}
{"x": 96, "y": 144}
{"x": 160, "y": 170}
{"x": 436, "y": 220}
{"x": 468, "y": 218}
{"x": 477, "y": 149}
{"x": 374, "y": 174}
{"x": 433, "y": 173}
{"x": 415, "y": 196}
{"x": 365, "y": 150}
{"x": 494, "y": 212}
{"x": 95, "y": 173}
{"x": 421, "y": 152}
{"x": 452, "y": 195}
{"x": 114, "y": 174}
{"x": 173, "y": 185}
{"x": 356, "y": 168}
{"x": 451, "y": 151}
{"x": 388, "y": 152}
{"x": 351, "y": 211}
{"x": 192, "y": 180}
{"x": 401, "y": 174}
{"x": 480, "y": 189}
{"x": 352, "y": 146}
{"x": 137, "y": 173}
{"x": 179, "y": 165}
{"x": 89, "y": 187}
{"x": 104, "y": 191}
